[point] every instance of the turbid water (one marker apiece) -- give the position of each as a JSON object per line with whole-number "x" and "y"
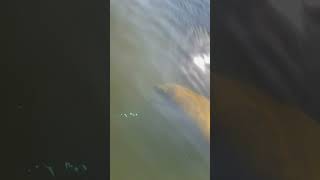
{"x": 155, "y": 42}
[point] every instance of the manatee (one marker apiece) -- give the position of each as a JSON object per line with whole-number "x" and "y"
{"x": 276, "y": 138}
{"x": 196, "y": 106}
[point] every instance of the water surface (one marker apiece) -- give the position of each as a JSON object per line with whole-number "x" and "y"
{"x": 155, "y": 42}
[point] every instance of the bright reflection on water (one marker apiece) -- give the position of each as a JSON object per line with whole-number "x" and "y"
{"x": 202, "y": 61}
{"x": 155, "y": 42}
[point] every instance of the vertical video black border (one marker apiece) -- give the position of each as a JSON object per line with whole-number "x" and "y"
{"x": 54, "y": 65}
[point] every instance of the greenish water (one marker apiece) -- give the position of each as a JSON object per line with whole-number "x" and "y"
{"x": 153, "y": 42}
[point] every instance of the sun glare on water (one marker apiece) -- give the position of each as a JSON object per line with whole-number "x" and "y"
{"x": 202, "y": 61}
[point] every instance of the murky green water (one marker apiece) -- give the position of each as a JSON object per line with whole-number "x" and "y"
{"x": 154, "y": 42}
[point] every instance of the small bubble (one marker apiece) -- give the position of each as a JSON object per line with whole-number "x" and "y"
{"x": 84, "y": 167}
{"x": 67, "y": 165}
{"x": 50, "y": 169}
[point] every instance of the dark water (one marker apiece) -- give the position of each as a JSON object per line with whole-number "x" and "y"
{"x": 155, "y": 42}
{"x": 269, "y": 45}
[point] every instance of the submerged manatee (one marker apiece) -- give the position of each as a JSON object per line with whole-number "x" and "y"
{"x": 197, "y": 107}
{"x": 278, "y": 140}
